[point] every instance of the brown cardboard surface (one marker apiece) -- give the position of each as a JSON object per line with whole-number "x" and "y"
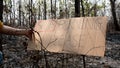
{"x": 85, "y": 35}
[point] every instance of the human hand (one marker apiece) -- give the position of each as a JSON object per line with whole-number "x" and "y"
{"x": 29, "y": 33}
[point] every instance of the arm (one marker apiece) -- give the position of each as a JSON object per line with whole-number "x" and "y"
{"x": 15, "y": 31}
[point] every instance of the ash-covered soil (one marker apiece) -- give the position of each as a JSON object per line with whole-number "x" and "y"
{"x": 16, "y": 56}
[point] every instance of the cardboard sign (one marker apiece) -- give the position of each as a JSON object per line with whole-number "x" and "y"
{"x": 85, "y": 35}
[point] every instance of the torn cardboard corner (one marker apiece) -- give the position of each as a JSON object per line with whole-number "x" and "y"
{"x": 85, "y": 35}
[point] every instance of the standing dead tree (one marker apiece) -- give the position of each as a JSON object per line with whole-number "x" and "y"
{"x": 1, "y": 18}
{"x": 113, "y": 10}
{"x": 45, "y": 10}
{"x": 77, "y": 8}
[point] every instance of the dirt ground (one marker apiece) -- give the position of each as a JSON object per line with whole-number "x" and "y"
{"x": 16, "y": 56}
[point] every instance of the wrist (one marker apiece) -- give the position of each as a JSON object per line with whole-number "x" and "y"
{"x": 29, "y": 34}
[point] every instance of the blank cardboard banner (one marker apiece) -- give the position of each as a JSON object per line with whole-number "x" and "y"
{"x": 84, "y": 36}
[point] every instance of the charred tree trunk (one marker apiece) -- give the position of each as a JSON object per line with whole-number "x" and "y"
{"x": 77, "y": 14}
{"x": 66, "y": 10}
{"x": 19, "y": 12}
{"x": 51, "y": 10}
{"x": 55, "y": 10}
{"x": 11, "y": 13}
{"x": 95, "y": 10}
{"x": 1, "y": 48}
{"x": 14, "y": 13}
{"x": 77, "y": 8}
{"x": 45, "y": 11}
{"x": 113, "y": 10}
{"x": 1, "y": 18}
{"x": 83, "y": 13}
{"x": 31, "y": 15}
{"x": 39, "y": 12}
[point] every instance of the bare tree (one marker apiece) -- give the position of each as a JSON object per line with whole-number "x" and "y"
{"x": 1, "y": 18}
{"x": 20, "y": 12}
{"x": 45, "y": 9}
{"x": 66, "y": 9}
{"x": 51, "y": 9}
{"x": 113, "y": 10}
{"x": 39, "y": 11}
{"x": 83, "y": 13}
{"x": 77, "y": 8}
{"x": 55, "y": 10}
{"x": 14, "y": 12}
{"x": 95, "y": 10}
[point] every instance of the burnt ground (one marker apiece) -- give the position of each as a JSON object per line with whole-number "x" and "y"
{"x": 16, "y": 56}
